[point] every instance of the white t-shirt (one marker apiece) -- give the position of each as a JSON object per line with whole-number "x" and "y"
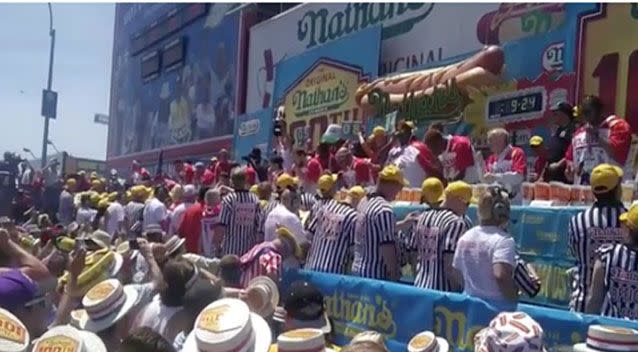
{"x": 405, "y": 158}
{"x": 115, "y": 214}
{"x": 284, "y": 217}
{"x": 476, "y": 252}
{"x": 85, "y": 216}
{"x": 154, "y": 212}
{"x": 177, "y": 216}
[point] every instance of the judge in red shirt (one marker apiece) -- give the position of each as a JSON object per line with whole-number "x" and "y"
{"x": 539, "y": 150}
{"x": 602, "y": 139}
{"x": 507, "y": 165}
{"x": 353, "y": 171}
{"x": 191, "y": 226}
{"x": 455, "y": 153}
{"x": 223, "y": 165}
{"x": 323, "y": 161}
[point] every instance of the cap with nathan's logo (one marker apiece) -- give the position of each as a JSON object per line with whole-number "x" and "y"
{"x": 14, "y": 336}
{"x": 68, "y": 339}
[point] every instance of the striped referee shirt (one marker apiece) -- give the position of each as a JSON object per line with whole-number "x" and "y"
{"x": 243, "y": 218}
{"x": 375, "y": 226}
{"x": 588, "y": 231}
{"x": 523, "y": 278}
{"x": 319, "y": 202}
{"x": 332, "y": 231}
{"x": 436, "y": 233}
{"x": 621, "y": 282}
{"x": 307, "y": 201}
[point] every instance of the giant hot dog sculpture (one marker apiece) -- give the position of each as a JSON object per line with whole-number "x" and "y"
{"x": 481, "y": 69}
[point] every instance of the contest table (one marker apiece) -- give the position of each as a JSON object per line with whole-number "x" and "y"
{"x": 541, "y": 236}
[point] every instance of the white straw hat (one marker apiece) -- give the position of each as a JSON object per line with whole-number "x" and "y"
{"x": 173, "y": 244}
{"x": 302, "y": 340}
{"x": 262, "y": 296}
{"x": 428, "y": 342}
{"x": 608, "y": 338}
{"x": 227, "y": 325}
{"x": 69, "y": 339}
{"x": 14, "y": 336}
{"x": 104, "y": 305}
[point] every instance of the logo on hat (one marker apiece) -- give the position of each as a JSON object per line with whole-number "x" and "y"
{"x": 12, "y": 330}
{"x": 218, "y": 319}
{"x": 57, "y": 343}
{"x": 100, "y": 291}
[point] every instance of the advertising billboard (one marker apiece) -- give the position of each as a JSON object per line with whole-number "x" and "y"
{"x": 413, "y": 34}
{"x": 318, "y": 88}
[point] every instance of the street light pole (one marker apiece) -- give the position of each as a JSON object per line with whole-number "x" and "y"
{"x": 45, "y": 138}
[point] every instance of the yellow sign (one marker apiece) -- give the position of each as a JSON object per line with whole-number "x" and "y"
{"x": 609, "y": 58}
{"x": 57, "y": 344}
{"x": 11, "y": 330}
{"x": 325, "y": 95}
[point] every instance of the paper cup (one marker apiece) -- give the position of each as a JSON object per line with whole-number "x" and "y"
{"x": 542, "y": 191}
{"x": 528, "y": 192}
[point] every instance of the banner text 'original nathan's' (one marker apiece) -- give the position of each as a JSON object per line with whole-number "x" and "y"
{"x": 323, "y": 95}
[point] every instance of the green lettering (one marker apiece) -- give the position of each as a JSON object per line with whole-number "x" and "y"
{"x": 350, "y": 25}
{"x": 361, "y": 12}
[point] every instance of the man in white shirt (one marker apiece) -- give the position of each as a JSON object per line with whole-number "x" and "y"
{"x": 190, "y": 193}
{"x": 155, "y": 210}
{"x": 114, "y": 217}
{"x": 285, "y": 214}
{"x": 485, "y": 255}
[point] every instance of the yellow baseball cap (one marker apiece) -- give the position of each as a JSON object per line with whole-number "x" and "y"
{"x": 432, "y": 190}
{"x": 357, "y": 192}
{"x": 112, "y": 196}
{"x": 285, "y": 181}
{"x": 286, "y": 235}
{"x": 103, "y": 204}
{"x": 378, "y": 131}
{"x": 254, "y": 189}
{"x": 630, "y": 218}
{"x": 605, "y": 177}
{"x": 459, "y": 189}
{"x": 71, "y": 182}
{"x": 326, "y": 182}
{"x": 391, "y": 173}
{"x": 535, "y": 141}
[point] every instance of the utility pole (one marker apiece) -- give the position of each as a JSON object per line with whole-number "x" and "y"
{"x": 45, "y": 138}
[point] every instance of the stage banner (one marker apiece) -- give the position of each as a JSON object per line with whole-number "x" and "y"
{"x": 318, "y": 88}
{"x": 541, "y": 236}
{"x": 253, "y": 130}
{"x": 401, "y": 311}
{"x": 411, "y": 36}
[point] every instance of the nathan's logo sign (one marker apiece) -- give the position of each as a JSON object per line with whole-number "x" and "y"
{"x": 443, "y": 104}
{"x": 323, "y": 95}
{"x": 317, "y": 27}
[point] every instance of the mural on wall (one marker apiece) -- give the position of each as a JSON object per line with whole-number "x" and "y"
{"x": 174, "y": 75}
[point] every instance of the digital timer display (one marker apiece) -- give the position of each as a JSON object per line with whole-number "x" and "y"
{"x": 512, "y": 106}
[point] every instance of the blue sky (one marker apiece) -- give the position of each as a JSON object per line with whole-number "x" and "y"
{"x": 81, "y": 76}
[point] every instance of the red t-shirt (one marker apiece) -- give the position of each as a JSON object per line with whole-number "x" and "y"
{"x": 207, "y": 178}
{"x": 222, "y": 166}
{"x": 514, "y": 160}
{"x": 615, "y": 129}
{"x": 191, "y": 227}
{"x": 539, "y": 165}
{"x": 362, "y": 171}
{"x": 251, "y": 175}
{"x": 457, "y": 157}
